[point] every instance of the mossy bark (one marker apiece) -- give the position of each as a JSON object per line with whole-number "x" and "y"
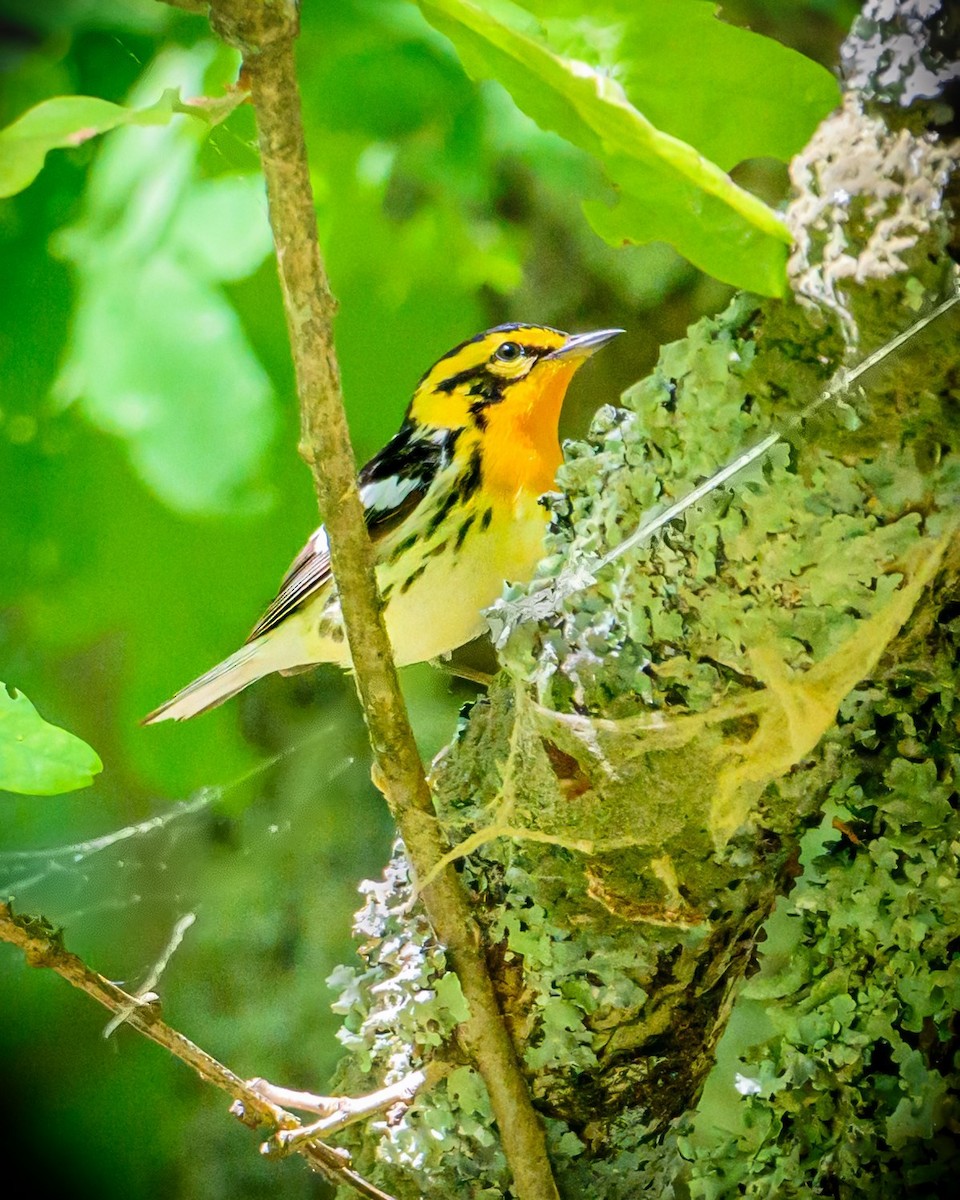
{"x": 651, "y": 772}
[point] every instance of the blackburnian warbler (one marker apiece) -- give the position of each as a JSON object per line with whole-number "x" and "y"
{"x": 451, "y": 503}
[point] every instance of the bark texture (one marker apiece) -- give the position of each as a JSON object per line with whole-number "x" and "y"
{"x": 266, "y": 35}
{"x": 761, "y": 703}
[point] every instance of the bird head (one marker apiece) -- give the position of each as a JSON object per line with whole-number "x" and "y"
{"x": 510, "y": 375}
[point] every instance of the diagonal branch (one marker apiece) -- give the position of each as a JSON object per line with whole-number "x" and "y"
{"x": 266, "y": 35}
{"x": 43, "y": 947}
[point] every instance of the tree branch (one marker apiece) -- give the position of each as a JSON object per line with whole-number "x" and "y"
{"x": 43, "y": 946}
{"x": 265, "y": 34}
{"x": 337, "y": 1112}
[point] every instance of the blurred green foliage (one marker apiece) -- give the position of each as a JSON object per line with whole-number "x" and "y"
{"x": 153, "y": 498}
{"x": 152, "y": 243}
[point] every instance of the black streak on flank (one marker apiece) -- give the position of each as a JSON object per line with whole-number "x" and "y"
{"x": 472, "y": 478}
{"x": 412, "y": 579}
{"x": 462, "y": 532}
{"x": 485, "y": 521}
{"x": 468, "y": 483}
{"x": 452, "y": 498}
{"x": 402, "y": 547}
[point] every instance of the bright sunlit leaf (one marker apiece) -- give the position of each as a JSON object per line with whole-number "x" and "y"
{"x": 37, "y": 758}
{"x": 64, "y": 122}
{"x": 730, "y": 92}
{"x": 668, "y": 190}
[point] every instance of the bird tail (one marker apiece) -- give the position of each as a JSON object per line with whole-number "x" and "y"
{"x": 248, "y": 664}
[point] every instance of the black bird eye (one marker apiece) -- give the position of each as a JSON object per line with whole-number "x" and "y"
{"x": 509, "y": 352}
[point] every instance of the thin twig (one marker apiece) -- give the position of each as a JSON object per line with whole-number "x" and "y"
{"x": 43, "y": 946}
{"x": 266, "y": 35}
{"x": 145, "y": 992}
{"x": 341, "y": 1111}
{"x": 337, "y": 1112}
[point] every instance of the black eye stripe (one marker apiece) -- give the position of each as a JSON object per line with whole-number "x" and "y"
{"x": 526, "y": 351}
{"x": 485, "y": 383}
{"x": 516, "y": 327}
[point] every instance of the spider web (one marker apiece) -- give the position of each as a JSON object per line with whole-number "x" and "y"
{"x": 146, "y": 882}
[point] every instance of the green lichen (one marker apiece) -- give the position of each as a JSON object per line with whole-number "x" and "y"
{"x": 651, "y": 773}
{"x": 399, "y": 1011}
{"x": 804, "y": 548}
{"x": 861, "y": 1079}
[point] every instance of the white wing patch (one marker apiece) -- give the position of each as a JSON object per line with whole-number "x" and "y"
{"x": 384, "y": 495}
{"x": 318, "y": 544}
{"x": 407, "y": 466}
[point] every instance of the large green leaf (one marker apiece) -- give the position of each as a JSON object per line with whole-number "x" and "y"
{"x": 37, "y": 758}
{"x": 668, "y": 190}
{"x": 729, "y": 92}
{"x": 62, "y": 122}
{"x": 68, "y": 121}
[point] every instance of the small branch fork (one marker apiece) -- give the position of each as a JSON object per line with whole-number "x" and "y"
{"x": 336, "y": 1112}
{"x": 265, "y": 34}
{"x": 255, "y": 1102}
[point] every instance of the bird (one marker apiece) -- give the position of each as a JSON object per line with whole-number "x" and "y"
{"x": 451, "y": 504}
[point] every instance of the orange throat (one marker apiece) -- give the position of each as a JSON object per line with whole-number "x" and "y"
{"x": 522, "y": 443}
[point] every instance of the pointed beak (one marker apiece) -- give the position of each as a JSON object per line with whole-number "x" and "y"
{"x": 582, "y": 345}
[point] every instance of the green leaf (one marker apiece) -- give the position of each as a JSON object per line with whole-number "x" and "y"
{"x": 668, "y": 190}
{"x": 466, "y": 1088}
{"x": 64, "y": 122}
{"x": 770, "y": 97}
{"x": 450, "y": 997}
{"x": 37, "y": 758}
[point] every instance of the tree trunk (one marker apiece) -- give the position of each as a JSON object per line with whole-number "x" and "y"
{"x": 762, "y": 703}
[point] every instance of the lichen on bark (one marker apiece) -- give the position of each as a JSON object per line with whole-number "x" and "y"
{"x": 652, "y": 770}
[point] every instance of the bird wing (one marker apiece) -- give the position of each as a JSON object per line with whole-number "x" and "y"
{"x": 392, "y": 485}
{"x": 307, "y": 574}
